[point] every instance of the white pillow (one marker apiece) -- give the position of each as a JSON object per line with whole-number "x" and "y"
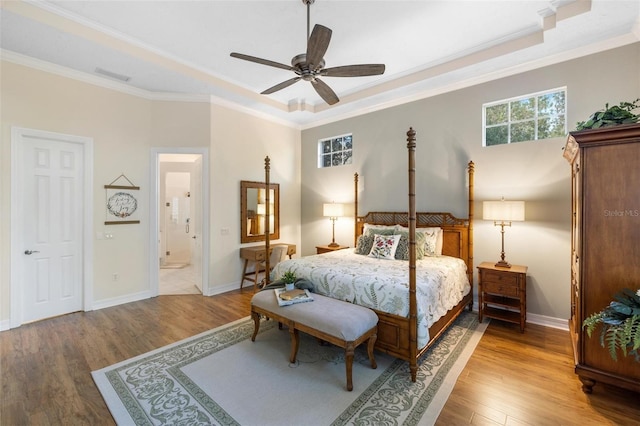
{"x": 384, "y": 246}
{"x": 429, "y": 249}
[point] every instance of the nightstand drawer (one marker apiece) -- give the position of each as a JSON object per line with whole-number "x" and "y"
{"x": 505, "y": 288}
{"x": 500, "y": 278}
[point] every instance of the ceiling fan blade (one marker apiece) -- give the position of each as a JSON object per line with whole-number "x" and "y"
{"x": 317, "y": 44}
{"x": 353, "y": 70}
{"x": 280, "y": 86}
{"x": 325, "y": 91}
{"x": 262, "y": 61}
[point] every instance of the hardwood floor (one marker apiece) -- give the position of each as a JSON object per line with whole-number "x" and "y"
{"x": 527, "y": 378}
{"x": 511, "y": 379}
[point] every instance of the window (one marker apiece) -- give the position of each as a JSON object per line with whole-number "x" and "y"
{"x": 335, "y": 151}
{"x": 527, "y": 118}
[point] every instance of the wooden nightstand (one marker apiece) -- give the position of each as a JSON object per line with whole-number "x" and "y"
{"x": 502, "y": 293}
{"x": 327, "y": 249}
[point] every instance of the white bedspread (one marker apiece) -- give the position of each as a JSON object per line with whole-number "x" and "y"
{"x": 441, "y": 282}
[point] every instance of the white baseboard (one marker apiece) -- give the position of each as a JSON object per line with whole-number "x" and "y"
{"x": 227, "y": 287}
{"x": 5, "y": 325}
{"x": 115, "y": 301}
{"x": 543, "y": 320}
{"x": 559, "y": 323}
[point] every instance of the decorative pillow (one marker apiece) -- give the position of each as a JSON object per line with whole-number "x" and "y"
{"x": 363, "y": 245}
{"x": 402, "y": 253}
{"x": 431, "y": 241}
{"x": 429, "y": 234}
{"x": 384, "y": 246}
{"x": 370, "y": 229}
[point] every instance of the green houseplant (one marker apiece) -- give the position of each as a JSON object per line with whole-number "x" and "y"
{"x": 620, "y": 323}
{"x": 617, "y": 114}
{"x": 289, "y": 279}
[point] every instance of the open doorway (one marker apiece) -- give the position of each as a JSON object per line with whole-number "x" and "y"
{"x": 180, "y": 222}
{"x": 178, "y": 272}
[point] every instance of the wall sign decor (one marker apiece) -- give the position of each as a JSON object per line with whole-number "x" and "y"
{"x": 122, "y": 203}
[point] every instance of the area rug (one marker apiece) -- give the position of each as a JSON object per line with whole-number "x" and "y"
{"x": 220, "y": 377}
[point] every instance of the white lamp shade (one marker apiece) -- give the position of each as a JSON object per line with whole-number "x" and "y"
{"x": 333, "y": 210}
{"x": 505, "y": 211}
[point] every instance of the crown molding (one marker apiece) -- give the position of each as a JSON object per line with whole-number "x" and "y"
{"x": 48, "y": 67}
{"x": 630, "y": 38}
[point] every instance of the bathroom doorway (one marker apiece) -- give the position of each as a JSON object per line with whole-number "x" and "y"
{"x": 179, "y": 223}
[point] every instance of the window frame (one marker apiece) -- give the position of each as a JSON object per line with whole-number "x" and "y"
{"x": 322, "y": 154}
{"x": 535, "y": 119}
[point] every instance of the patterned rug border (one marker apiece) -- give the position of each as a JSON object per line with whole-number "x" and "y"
{"x": 467, "y": 323}
{"x": 368, "y": 407}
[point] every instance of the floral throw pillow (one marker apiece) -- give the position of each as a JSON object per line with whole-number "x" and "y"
{"x": 384, "y": 246}
{"x": 363, "y": 245}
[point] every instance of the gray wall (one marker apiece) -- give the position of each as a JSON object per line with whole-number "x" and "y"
{"x": 449, "y": 134}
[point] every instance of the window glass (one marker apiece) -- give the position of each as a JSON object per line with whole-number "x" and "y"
{"x": 335, "y": 151}
{"x": 527, "y": 118}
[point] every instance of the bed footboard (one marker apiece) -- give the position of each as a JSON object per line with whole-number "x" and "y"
{"x": 393, "y": 330}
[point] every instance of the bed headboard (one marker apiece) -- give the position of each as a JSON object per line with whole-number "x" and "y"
{"x": 457, "y": 233}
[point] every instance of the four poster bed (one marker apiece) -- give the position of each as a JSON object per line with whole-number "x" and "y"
{"x": 418, "y": 291}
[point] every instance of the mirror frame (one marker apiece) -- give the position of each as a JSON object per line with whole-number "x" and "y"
{"x": 275, "y": 232}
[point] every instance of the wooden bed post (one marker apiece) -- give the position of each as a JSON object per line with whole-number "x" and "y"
{"x": 413, "y": 309}
{"x": 267, "y": 231}
{"x": 355, "y": 207}
{"x": 471, "y": 214}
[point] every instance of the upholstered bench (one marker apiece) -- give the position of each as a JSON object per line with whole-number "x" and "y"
{"x": 340, "y": 323}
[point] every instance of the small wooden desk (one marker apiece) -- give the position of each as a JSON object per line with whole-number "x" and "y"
{"x": 257, "y": 255}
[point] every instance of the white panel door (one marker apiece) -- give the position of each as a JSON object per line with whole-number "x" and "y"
{"x": 52, "y": 224}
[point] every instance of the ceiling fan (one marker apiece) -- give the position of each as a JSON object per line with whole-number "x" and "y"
{"x": 309, "y": 66}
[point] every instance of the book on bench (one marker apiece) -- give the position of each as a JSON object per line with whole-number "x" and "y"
{"x": 290, "y": 297}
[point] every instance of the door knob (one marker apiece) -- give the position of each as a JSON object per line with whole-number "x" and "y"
{"x": 31, "y": 251}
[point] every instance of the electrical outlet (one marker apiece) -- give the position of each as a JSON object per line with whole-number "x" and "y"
{"x": 115, "y": 277}
{"x": 224, "y": 231}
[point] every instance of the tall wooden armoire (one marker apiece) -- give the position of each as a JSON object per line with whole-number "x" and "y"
{"x": 605, "y": 247}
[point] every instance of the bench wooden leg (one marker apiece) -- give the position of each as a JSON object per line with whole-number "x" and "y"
{"x": 295, "y": 343}
{"x": 370, "y": 345}
{"x": 349, "y": 350}
{"x": 256, "y": 325}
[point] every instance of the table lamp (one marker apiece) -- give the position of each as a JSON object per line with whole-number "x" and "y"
{"x": 333, "y": 211}
{"x": 502, "y": 213}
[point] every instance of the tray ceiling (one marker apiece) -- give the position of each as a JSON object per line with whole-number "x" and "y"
{"x": 180, "y": 49}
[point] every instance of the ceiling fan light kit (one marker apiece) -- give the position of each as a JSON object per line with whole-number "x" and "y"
{"x": 309, "y": 66}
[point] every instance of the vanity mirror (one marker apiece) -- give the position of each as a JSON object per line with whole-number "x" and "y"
{"x": 253, "y": 209}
